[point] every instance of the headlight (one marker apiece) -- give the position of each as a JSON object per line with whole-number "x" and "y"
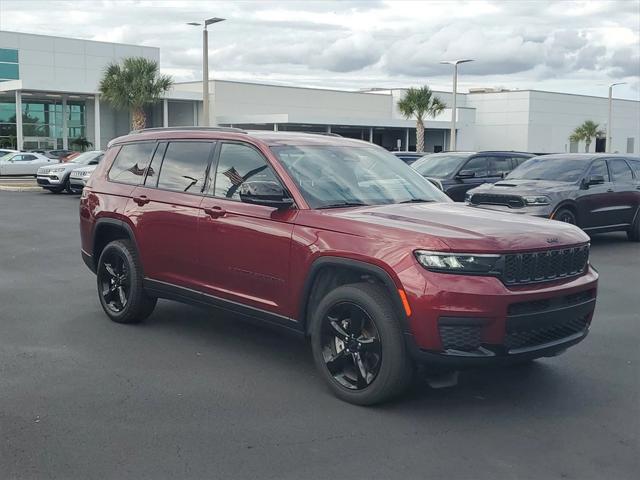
{"x": 457, "y": 262}
{"x": 540, "y": 200}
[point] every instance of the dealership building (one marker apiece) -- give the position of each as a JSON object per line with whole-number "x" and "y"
{"x": 48, "y": 97}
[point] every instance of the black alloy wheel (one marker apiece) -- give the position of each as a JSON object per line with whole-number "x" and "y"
{"x": 351, "y": 346}
{"x": 114, "y": 281}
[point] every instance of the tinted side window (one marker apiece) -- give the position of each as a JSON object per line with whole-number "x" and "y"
{"x": 499, "y": 166}
{"x": 635, "y": 165}
{"x": 240, "y": 163}
{"x": 599, "y": 167}
{"x": 519, "y": 161}
{"x": 478, "y": 165}
{"x": 184, "y": 168}
{"x": 131, "y": 163}
{"x": 154, "y": 166}
{"x": 620, "y": 171}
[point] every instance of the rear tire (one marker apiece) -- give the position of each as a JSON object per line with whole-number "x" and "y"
{"x": 119, "y": 279}
{"x": 358, "y": 345}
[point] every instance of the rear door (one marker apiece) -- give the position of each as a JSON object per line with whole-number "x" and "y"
{"x": 244, "y": 247}
{"x": 166, "y": 208}
{"x": 624, "y": 187}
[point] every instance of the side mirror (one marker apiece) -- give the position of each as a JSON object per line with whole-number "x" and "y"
{"x": 466, "y": 174}
{"x": 594, "y": 180}
{"x": 266, "y": 193}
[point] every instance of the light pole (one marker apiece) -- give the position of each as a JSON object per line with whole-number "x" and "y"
{"x": 205, "y": 66}
{"x": 452, "y": 136}
{"x": 609, "y": 140}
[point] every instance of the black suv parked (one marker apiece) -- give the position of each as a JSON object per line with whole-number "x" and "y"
{"x": 597, "y": 192}
{"x": 457, "y": 172}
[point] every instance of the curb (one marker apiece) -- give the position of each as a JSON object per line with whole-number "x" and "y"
{"x": 18, "y": 188}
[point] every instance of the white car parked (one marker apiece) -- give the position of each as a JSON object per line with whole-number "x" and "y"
{"x": 24, "y": 163}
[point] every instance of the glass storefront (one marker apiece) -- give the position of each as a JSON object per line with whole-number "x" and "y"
{"x": 42, "y": 123}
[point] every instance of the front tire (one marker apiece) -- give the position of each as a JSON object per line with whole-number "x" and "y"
{"x": 567, "y": 216}
{"x": 358, "y": 345}
{"x": 119, "y": 278}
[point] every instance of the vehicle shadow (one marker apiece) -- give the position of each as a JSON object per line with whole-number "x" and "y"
{"x": 287, "y": 355}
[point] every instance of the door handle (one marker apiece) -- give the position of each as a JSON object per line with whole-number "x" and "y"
{"x": 215, "y": 212}
{"x": 609, "y": 190}
{"x": 141, "y": 200}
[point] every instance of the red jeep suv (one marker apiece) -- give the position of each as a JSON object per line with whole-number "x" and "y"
{"x": 335, "y": 239}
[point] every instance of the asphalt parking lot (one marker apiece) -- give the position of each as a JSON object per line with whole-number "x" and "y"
{"x": 198, "y": 394}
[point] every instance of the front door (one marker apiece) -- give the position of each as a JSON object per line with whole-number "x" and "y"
{"x": 625, "y": 190}
{"x": 480, "y": 168}
{"x": 166, "y": 210}
{"x": 597, "y": 203}
{"x": 244, "y": 247}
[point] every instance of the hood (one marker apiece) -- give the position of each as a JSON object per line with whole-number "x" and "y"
{"x": 461, "y": 228}
{"x": 525, "y": 187}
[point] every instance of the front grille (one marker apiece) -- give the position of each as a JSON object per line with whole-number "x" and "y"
{"x": 523, "y": 268}
{"x": 460, "y": 337}
{"x": 524, "y": 337}
{"x": 511, "y": 201}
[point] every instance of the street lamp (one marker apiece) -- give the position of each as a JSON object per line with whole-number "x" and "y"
{"x": 452, "y": 139}
{"x": 609, "y": 140}
{"x": 205, "y": 66}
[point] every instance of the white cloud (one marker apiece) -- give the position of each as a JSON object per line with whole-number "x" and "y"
{"x": 562, "y": 45}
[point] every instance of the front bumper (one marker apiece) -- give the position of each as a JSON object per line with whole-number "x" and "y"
{"x": 78, "y": 183}
{"x": 460, "y": 321}
{"x": 50, "y": 180}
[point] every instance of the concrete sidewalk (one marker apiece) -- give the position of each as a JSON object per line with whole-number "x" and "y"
{"x": 19, "y": 184}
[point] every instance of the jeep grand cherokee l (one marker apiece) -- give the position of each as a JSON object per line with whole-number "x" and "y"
{"x": 335, "y": 239}
{"x": 597, "y": 192}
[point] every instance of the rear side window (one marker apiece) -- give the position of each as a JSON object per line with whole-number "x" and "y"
{"x": 620, "y": 171}
{"x": 599, "y": 167}
{"x": 184, "y": 168}
{"x": 131, "y": 163}
{"x": 517, "y": 161}
{"x": 238, "y": 164}
{"x": 635, "y": 165}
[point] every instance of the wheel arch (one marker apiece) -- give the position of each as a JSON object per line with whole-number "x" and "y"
{"x": 106, "y": 230}
{"x": 329, "y": 272}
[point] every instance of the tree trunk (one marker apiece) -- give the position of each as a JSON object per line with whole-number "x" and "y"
{"x": 587, "y": 145}
{"x": 139, "y": 119}
{"x": 419, "y": 137}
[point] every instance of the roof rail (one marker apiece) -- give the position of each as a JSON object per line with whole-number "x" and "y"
{"x": 203, "y": 129}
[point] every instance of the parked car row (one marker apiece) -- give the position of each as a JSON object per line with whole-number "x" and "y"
{"x": 597, "y": 192}
{"x": 23, "y": 163}
{"x": 58, "y": 178}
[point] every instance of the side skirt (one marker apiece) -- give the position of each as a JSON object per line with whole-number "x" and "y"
{"x": 189, "y": 296}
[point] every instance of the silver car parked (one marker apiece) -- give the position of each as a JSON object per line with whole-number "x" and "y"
{"x": 79, "y": 176}
{"x": 57, "y": 178}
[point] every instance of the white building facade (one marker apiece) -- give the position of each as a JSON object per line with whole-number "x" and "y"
{"x": 49, "y": 97}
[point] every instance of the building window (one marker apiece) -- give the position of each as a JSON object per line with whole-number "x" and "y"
{"x": 573, "y": 147}
{"x": 630, "y": 146}
{"x": 8, "y": 64}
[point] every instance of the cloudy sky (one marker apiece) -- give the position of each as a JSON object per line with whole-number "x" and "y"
{"x": 567, "y": 46}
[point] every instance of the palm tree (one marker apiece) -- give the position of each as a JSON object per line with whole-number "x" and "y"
{"x": 420, "y": 103}
{"x": 133, "y": 85}
{"x": 587, "y": 132}
{"x": 82, "y": 143}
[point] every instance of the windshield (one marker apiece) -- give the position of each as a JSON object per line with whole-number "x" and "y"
{"x": 334, "y": 176}
{"x": 546, "y": 168}
{"x": 86, "y": 157}
{"x": 439, "y": 165}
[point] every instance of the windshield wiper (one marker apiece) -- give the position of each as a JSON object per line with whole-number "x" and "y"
{"x": 417, "y": 200}
{"x": 345, "y": 204}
